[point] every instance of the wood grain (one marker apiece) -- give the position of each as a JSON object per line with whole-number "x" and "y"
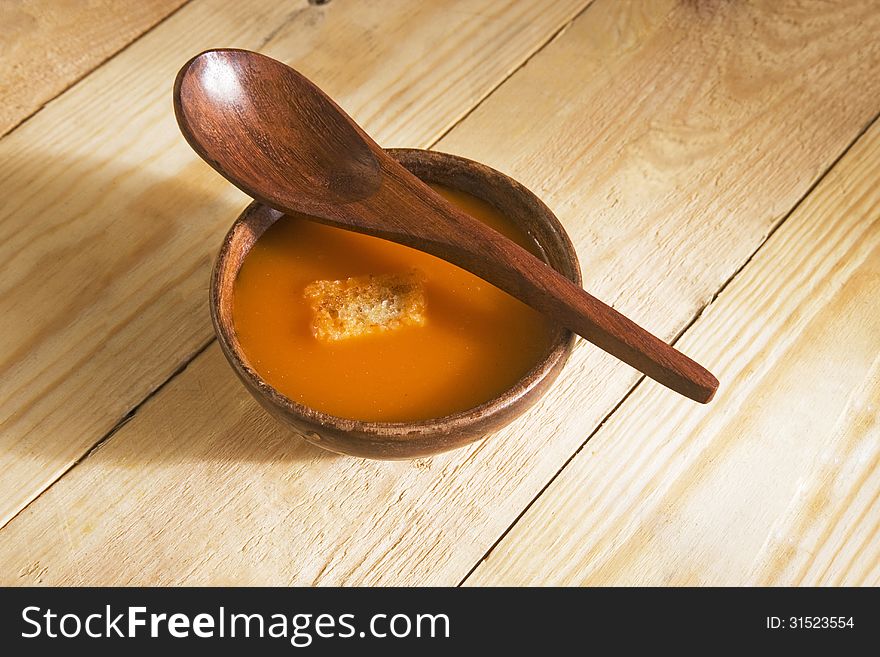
{"x": 672, "y": 138}
{"x": 778, "y": 483}
{"x": 110, "y": 222}
{"x": 46, "y": 45}
{"x": 308, "y": 156}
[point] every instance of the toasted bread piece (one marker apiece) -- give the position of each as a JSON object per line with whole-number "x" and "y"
{"x": 366, "y": 305}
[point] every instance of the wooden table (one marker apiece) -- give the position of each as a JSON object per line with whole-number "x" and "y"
{"x": 717, "y": 165}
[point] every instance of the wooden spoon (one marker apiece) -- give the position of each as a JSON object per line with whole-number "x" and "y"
{"x": 280, "y": 139}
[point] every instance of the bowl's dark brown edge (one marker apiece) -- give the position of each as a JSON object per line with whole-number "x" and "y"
{"x": 424, "y": 437}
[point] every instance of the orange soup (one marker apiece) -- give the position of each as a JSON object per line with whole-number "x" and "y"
{"x": 472, "y": 342}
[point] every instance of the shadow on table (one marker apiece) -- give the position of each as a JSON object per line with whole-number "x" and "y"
{"x": 85, "y": 339}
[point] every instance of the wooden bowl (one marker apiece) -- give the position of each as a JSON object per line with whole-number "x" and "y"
{"x": 401, "y": 440}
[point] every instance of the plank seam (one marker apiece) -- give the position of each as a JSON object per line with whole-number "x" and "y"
{"x": 283, "y": 25}
{"x": 677, "y": 337}
{"x": 129, "y": 415}
{"x": 132, "y": 412}
{"x": 75, "y": 81}
{"x": 550, "y": 39}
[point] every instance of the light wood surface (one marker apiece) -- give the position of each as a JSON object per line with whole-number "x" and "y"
{"x": 47, "y": 45}
{"x": 670, "y": 138}
{"x": 778, "y": 482}
{"x": 110, "y": 221}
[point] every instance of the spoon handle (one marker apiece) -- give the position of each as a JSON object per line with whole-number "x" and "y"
{"x": 458, "y": 238}
{"x": 546, "y": 290}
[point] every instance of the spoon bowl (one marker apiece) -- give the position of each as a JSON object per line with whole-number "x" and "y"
{"x": 253, "y": 96}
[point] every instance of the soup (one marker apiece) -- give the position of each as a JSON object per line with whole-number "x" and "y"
{"x": 438, "y": 340}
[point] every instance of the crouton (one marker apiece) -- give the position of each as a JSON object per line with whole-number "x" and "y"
{"x": 366, "y": 305}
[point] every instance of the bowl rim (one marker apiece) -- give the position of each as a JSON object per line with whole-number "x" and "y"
{"x": 400, "y": 431}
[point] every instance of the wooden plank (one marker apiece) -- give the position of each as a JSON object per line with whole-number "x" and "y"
{"x": 777, "y": 482}
{"x": 110, "y": 221}
{"x": 671, "y": 140}
{"x": 46, "y": 45}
